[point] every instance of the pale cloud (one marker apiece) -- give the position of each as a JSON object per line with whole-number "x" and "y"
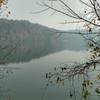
{"x": 22, "y": 9}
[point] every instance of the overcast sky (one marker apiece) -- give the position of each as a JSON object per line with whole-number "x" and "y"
{"x": 22, "y": 9}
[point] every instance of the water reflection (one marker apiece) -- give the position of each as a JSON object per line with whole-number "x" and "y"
{"x": 82, "y": 86}
{"x": 29, "y": 83}
{"x": 5, "y": 92}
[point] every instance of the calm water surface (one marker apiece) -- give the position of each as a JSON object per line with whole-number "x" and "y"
{"x": 29, "y": 83}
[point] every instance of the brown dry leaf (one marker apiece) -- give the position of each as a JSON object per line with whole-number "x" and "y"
{"x": 3, "y": 2}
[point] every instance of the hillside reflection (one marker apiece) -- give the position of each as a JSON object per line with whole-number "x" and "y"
{"x": 5, "y": 92}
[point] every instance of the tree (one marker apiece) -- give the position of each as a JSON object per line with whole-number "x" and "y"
{"x": 3, "y": 7}
{"x": 90, "y": 19}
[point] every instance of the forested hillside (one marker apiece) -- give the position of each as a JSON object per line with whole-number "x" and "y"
{"x": 23, "y": 41}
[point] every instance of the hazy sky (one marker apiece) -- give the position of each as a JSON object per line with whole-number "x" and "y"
{"x": 22, "y": 9}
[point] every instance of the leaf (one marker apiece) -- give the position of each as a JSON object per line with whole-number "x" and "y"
{"x": 94, "y": 65}
{"x": 97, "y": 91}
{"x": 98, "y": 77}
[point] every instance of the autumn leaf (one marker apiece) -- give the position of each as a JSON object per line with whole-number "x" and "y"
{"x": 3, "y": 2}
